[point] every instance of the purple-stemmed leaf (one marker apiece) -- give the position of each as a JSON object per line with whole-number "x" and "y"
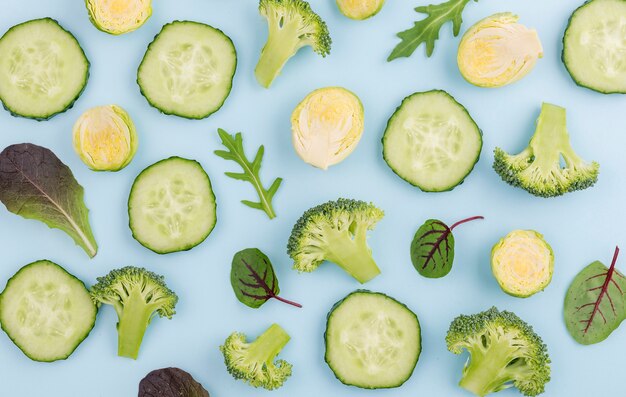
{"x": 595, "y": 303}
{"x": 253, "y": 279}
{"x": 432, "y": 249}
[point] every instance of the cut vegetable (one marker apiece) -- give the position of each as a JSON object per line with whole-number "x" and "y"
{"x": 172, "y": 206}
{"x": 43, "y": 69}
{"x": 372, "y": 341}
{"x": 431, "y": 141}
{"x": 188, "y": 70}
{"x": 594, "y": 50}
{"x": 46, "y": 311}
{"x": 360, "y": 9}
{"x": 118, "y": 16}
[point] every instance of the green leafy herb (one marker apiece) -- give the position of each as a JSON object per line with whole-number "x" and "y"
{"x": 253, "y": 279}
{"x": 250, "y": 173}
{"x": 595, "y": 304}
{"x": 35, "y": 184}
{"x": 432, "y": 249}
{"x": 427, "y": 30}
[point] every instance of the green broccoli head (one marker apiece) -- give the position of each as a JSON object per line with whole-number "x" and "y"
{"x": 292, "y": 25}
{"x": 336, "y": 231}
{"x": 137, "y": 295}
{"x": 538, "y": 169}
{"x": 253, "y": 362}
{"x": 504, "y": 352}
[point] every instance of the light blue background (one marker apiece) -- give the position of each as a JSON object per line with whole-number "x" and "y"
{"x": 581, "y": 227}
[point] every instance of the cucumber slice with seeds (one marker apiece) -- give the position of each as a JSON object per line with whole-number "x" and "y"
{"x": 594, "y": 46}
{"x": 372, "y": 341}
{"x": 431, "y": 141}
{"x": 46, "y": 311}
{"x": 172, "y": 206}
{"x": 43, "y": 69}
{"x": 188, "y": 70}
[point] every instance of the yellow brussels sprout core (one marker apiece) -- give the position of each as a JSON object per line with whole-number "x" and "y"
{"x": 105, "y": 138}
{"x": 326, "y": 126}
{"x": 360, "y": 9}
{"x": 119, "y": 16}
{"x": 522, "y": 263}
{"x": 498, "y": 51}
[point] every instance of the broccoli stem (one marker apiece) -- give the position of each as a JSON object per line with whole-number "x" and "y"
{"x": 281, "y": 45}
{"x": 352, "y": 254}
{"x": 487, "y": 371}
{"x": 268, "y": 345}
{"x": 132, "y": 325}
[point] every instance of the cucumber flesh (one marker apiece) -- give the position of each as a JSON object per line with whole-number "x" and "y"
{"x": 172, "y": 206}
{"x": 594, "y": 46}
{"x": 372, "y": 341}
{"x": 43, "y": 69}
{"x": 46, "y": 311}
{"x": 431, "y": 141}
{"x": 188, "y": 70}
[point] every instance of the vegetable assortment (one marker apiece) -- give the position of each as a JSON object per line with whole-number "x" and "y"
{"x": 372, "y": 341}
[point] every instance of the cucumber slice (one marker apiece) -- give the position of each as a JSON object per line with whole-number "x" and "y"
{"x": 372, "y": 341}
{"x": 188, "y": 70}
{"x": 172, "y": 206}
{"x": 594, "y": 49}
{"x": 431, "y": 141}
{"x": 43, "y": 69}
{"x": 46, "y": 311}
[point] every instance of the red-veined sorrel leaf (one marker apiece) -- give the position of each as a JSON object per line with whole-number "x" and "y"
{"x": 253, "y": 279}
{"x": 432, "y": 249}
{"x": 595, "y": 303}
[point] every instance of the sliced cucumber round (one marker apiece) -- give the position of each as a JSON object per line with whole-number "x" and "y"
{"x": 172, "y": 206}
{"x": 46, "y": 311}
{"x": 372, "y": 341}
{"x": 188, "y": 70}
{"x": 43, "y": 69}
{"x": 431, "y": 141}
{"x": 594, "y": 48}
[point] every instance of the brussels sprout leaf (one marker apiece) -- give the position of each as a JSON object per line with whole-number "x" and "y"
{"x": 432, "y": 249}
{"x": 595, "y": 304}
{"x": 253, "y": 279}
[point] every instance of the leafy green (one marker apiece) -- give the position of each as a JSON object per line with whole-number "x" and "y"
{"x": 432, "y": 249}
{"x": 234, "y": 144}
{"x": 595, "y": 304}
{"x": 253, "y": 279}
{"x": 427, "y": 30}
{"x": 170, "y": 382}
{"x": 35, "y": 184}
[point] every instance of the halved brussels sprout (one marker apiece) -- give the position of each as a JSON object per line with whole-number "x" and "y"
{"x": 105, "y": 138}
{"x": 522, "y": 263}
{"x": 326, "y": 126}
{"x": 360, "y": 9}
{"x": 118, "y": 16}
{"x": 498, "y": 51}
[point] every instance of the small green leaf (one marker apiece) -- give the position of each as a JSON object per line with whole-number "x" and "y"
{"x": 595, "y": 303}
{"x": 432, "y": 249}
{"x": 253, "y": 279}
{"x": 426, "y": 31}
{"x": 250, "y": 171}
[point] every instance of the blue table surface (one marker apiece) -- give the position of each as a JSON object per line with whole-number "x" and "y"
{"x": 581, "y": 227}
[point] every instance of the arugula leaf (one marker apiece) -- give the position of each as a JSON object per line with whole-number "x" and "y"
{"x": 35, "y": 184}
{"x": 253, "y": 279}
{"x": 427, "y": 30}
{"x": 595, "y": 304}
{"x": 250, "y": 171}
{"x": 432, "y": 249}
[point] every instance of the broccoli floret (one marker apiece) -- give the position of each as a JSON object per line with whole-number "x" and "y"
{"x": 137, "y": 295}
{"x": 538, "y": 168}
{"x": 292, "y": 25}
{"x": 336, "y": 231}
{"x": 504, "y": 352}
{"x": 253, "y": 362}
